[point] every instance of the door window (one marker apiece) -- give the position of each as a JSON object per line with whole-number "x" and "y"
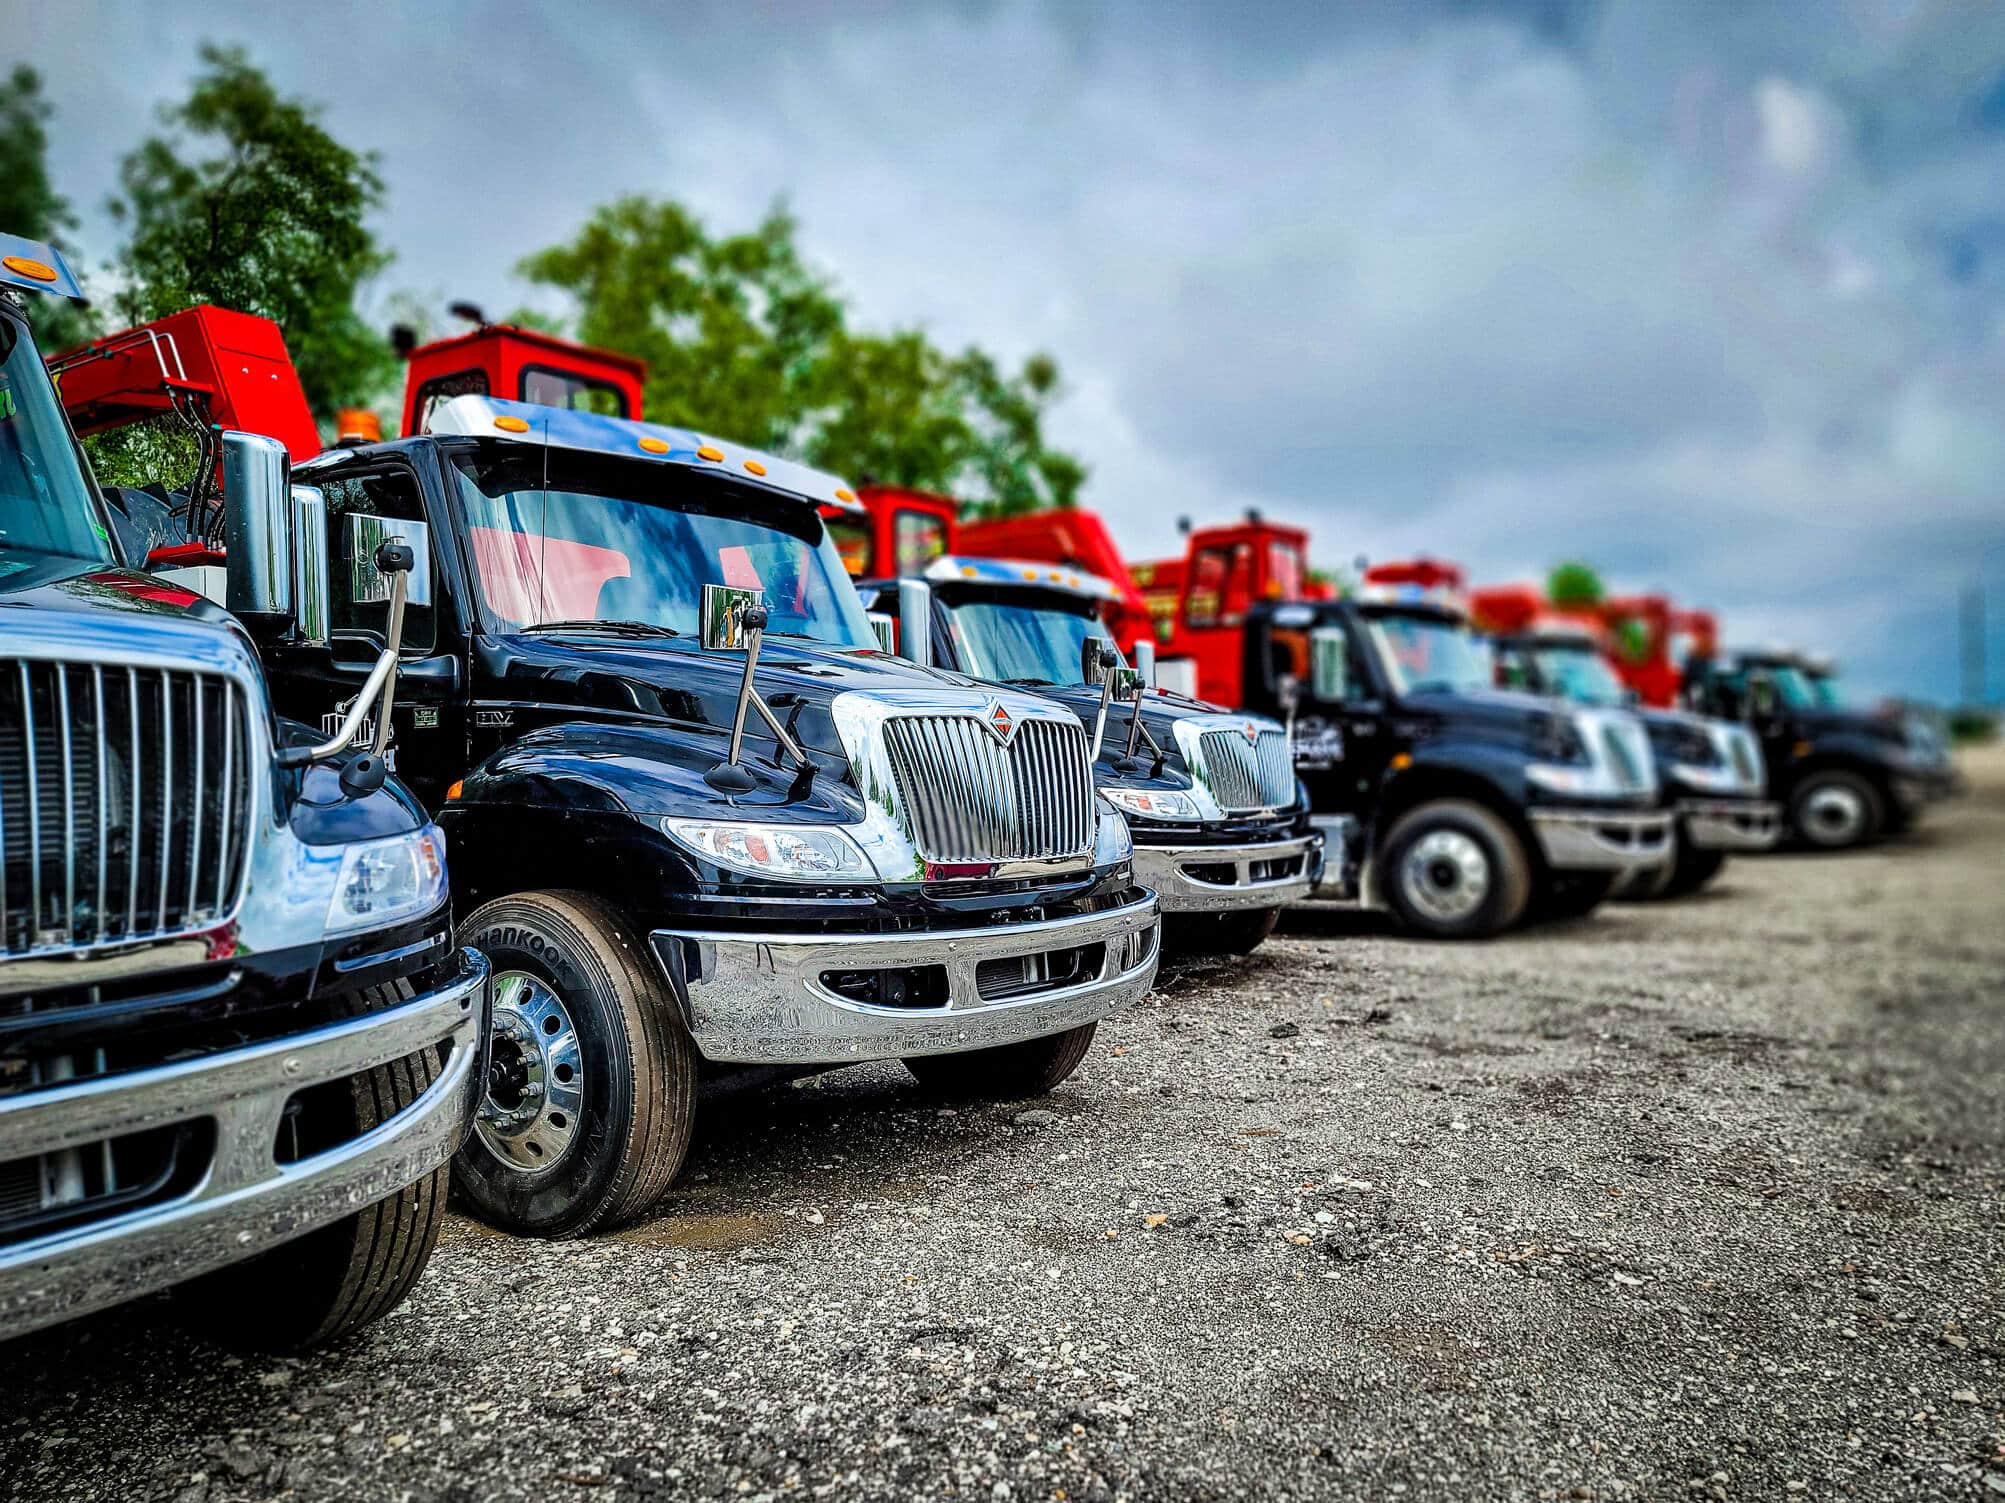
{"x": 444, "y": 389}
{"x": 1221, "y": 586}
{"x": 392, "y": 495}
{"x": 921, "y": 538}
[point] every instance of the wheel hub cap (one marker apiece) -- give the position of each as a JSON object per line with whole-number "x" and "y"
{"x": 1445, "y": 875}
{"x": 1836, "y": 815}
{"x": 535, "y": 1078}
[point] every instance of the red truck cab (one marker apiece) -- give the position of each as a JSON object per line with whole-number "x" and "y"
{"x": 521, "y": 365}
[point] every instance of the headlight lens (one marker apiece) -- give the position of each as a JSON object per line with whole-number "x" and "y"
{"x": 1112, "y": 843}
{"x": 806, "y": 853}
{"x": 388, "y": 880}
{"x": 1150, "y": 803}
{"x": 1586, "y": 781}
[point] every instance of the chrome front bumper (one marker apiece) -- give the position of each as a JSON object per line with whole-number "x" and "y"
{"x": 1582, "y": 840}
{"x": 247, "y": 1201}
{"x": 1187, "y": 878}
{"x": 764, "y": 999}
{"x": 1730, "y": 824}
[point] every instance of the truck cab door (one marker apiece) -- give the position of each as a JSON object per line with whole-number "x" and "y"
{"x": 316, "y": 682}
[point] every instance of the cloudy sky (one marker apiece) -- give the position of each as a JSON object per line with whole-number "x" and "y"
{"x": 1712, "y": 295}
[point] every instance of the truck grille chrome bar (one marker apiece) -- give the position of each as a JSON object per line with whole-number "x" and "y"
{"x": 1248, "y": 774}
{"x": 970, "y": 798}
{"x": 124, "y": 803}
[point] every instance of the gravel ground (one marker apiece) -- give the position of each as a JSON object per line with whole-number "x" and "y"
{"x": 1700, "y": 1201}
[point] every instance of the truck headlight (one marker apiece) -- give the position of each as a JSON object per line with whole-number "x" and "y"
{"x": 1585, "y": 782}
{"x": 388, "y": 880}
{"x": 1150, "y": 803}
{"x": 800, "y": 853}
{"x": 1112, "y": 844}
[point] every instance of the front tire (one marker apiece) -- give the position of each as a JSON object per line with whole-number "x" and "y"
{"x": 1454, "y": 870}
{"x": 1576, "y": 895}
{"x": 1694, "y": 869}
{"x": 340, "y": 1277}
{"x": 1010, "y": 1072}
{"x": 1238, "y": 933}
{"x": 591, "y": 1092}
{"x": 1837, "y": 811}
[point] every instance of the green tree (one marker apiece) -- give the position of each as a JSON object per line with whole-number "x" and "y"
{"x": 736, "y": 330}
{"x": 1573, "y": 585}
{"x": 29, "y": 203}
{"x": 743, "y": 338}
{"x": 247, "y": 202}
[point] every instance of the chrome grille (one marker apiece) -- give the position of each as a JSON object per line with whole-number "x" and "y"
{"x": 1627, "y": 750}
{"x": 125, "y": 799}
{"x": 970, "y": 799}
{"x": 1257, "y": 774}
{"x": 1744, "y": 752}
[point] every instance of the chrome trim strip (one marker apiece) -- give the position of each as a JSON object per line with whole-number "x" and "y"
{"x": 1616, "y": 841}
{"x": 248, "y": 1201}
{"x": 1730, "y": 824}
{"x": 758, "y": 998}
{"x": 1162, "y": 867}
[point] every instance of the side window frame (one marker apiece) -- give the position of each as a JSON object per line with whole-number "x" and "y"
{"x": 421, "y": 624}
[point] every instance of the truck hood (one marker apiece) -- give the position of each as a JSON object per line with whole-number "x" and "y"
{"x": 673, "y": 680}
{"x": 75, "y": 607}
{"x": 1496, "y": 714}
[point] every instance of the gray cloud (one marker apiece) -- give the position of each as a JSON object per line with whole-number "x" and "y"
{"x": 1706, "y": 294}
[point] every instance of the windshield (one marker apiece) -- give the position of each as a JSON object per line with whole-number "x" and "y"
{"x": 1792, "y": 687}
{"x": 1432, "y": 654}
{"x": 1581, "y": 675}
{"x": 1012, "y": 642}
{"x": 1825, "y": 691}
{"x": 588, "y": 549}
{"x": 46, "y": 505}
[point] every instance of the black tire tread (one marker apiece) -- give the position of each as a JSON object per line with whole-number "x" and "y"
{"x": 1009, "y": 1072}
{"x": 664, "y": 1093}
{"x": 1514, "y": 875}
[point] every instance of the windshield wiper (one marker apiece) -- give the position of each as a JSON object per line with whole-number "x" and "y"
{"x": 615, "y": 628}
{"x": 1050, "y": 682}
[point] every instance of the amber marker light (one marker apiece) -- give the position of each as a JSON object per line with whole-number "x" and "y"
{"x": 511, "y": 424}
{"x": 713, "y": 455}
{"x": 654, "y": 445}
{"x": 453, "y": 791}
{"x": 34, "y": 271}
{"x": 755, "y": 467}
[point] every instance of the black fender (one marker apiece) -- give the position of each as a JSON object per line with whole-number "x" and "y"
{"x": 1483, "y": 773}
{"x": 580, "y": 805}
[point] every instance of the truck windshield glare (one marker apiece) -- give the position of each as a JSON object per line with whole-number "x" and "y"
{"x": 1020, "y": 643}
{"x": 586, "y": 550}
{"x": 1429, "y": 654}
{"x": 1582, "y": 675}
{"x": 45, "y": 504}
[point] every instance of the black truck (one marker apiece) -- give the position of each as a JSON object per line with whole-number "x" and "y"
{"x": 707, "y": 831}
{"x": 1713, "y": 778}
{"x": 1461, "y": 807}
{"x": 1845, "y": 777}
{"x": 1219, "y": 820}
{"x": 238, "y": 1045}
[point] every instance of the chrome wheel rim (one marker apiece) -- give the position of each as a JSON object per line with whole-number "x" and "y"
{"x": 1445, "y": 875}
{"x": 1835, "y": 814}
{"x": 535, "y": 1077}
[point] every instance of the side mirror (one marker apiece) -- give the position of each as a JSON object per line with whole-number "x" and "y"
{"x": 722, "y": 621}
{"x": 734, "y": 620}
{"x": 1330, "y": 664}
{"x": 309, "y": 565}
{"x": 257, "y": 531}
{"x": 884, "y": 627}
{"x": 1127, "y": 685}
{"x": 1096, "y": 657}
{"x": 915, "y": 620}
{"x": 1760, "y": 696}
{"x": 368, "y": 584}
{"x": 1288, "y": 691}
